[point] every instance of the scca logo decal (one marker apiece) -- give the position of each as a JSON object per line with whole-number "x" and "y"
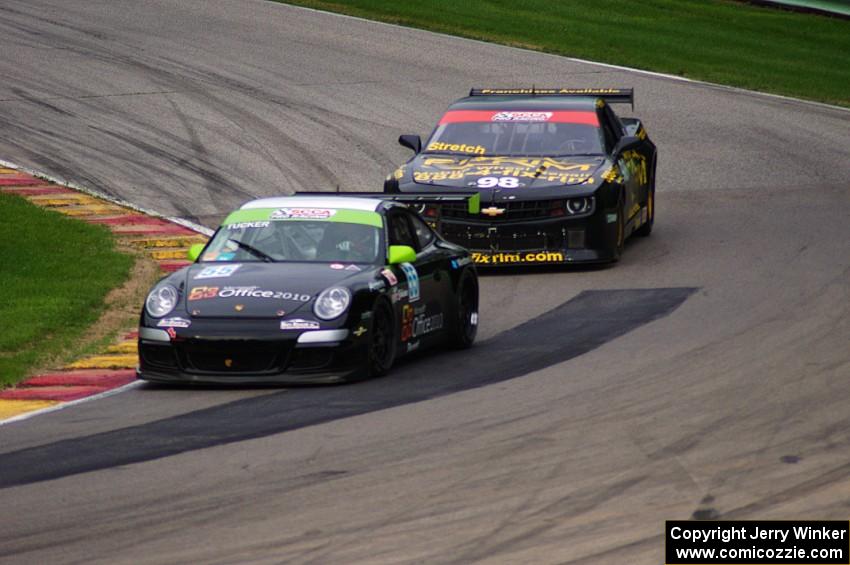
{"x": 412, "y": 281}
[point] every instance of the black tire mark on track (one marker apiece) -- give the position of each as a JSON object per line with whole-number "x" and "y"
{"x": 584, "y": 323}
{"x": 209, "y": 89}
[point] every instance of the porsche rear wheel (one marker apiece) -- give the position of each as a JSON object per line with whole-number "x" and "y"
{"x": 382, "y": 342}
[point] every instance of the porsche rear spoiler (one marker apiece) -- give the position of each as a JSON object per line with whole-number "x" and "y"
{"x": 472, "y": 199}
{"x": 612, "y": 95}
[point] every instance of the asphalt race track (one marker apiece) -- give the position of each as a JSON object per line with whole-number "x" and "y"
{"x": 705, "y": 375}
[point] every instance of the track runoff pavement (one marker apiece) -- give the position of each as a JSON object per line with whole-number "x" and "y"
{"x": 704, "y": 375}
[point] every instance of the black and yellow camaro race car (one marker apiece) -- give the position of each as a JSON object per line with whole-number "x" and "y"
{"x": 308, "y": 289}
{"x": 562, "y": 178}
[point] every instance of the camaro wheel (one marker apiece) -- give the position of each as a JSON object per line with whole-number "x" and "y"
{"x": 620, "y": 236}
{"x": 382, "y": 341}
{"x": 646, "y": 228}
{"x": 463, "y": 332}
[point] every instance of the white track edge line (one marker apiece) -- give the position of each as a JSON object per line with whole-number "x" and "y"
{"x": 62, "y": 405}
{"x": 735, "y": 89}
{"x": 117, "y": 201}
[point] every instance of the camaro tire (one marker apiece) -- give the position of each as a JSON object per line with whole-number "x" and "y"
{"x": 463, "y": 331}
{"x": 646, "y": 229}
{"x": 620, "y": 235}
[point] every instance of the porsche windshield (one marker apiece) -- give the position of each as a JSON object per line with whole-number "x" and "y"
{"x": 295, "y": 240}
{"x": 517, "y": 133}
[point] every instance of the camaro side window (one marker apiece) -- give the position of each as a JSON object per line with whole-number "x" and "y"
{"x": 613, "y": 130}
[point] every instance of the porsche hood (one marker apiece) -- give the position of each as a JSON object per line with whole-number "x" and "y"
{"x": 259, "y": 290}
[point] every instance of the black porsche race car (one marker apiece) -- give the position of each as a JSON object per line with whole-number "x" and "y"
{"x": 308, "y": 289}
{"x": 562, "y": 178}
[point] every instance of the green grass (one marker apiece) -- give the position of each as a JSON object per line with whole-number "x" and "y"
{"x": 725, "y": 42}
{"x": 54, "y": 275}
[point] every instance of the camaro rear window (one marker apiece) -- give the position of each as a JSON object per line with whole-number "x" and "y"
{"x": 297, "y": 234}
{"x": 517, "y": 133}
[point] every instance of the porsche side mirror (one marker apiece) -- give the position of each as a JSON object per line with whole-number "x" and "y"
{"x": 195, "y": 252}
{"x": 401, "y": 254}
{"x": 411, "y": 142}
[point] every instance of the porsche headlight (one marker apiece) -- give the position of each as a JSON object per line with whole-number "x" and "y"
{"x": 161, "y": 300}
{"x": 332, "y": 303}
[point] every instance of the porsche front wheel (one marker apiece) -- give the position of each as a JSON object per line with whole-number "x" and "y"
{"x": 382, "y": 342}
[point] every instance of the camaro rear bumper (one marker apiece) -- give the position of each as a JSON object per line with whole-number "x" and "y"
{"x": 490, "y": 258}
{"x": 545, "y": 241}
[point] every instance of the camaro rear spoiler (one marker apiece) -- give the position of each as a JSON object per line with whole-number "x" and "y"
{"x": 473, "y": 199}
{"x": 613, "y": 95}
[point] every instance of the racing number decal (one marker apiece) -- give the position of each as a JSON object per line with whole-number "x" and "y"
{"x": 203, "y": 292}
{"x": 502, "y": 182}
{"x": 412, "y": 281}
{"x": 406, "y": 322}
{"x": 415, "y": 323}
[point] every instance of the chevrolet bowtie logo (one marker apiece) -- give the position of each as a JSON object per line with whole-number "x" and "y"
{"x": 493, "y": 211}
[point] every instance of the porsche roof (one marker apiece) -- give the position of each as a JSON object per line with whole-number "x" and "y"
{"x": 330, "y": 201}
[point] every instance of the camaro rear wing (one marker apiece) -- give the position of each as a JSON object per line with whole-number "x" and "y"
{"x": 612, "y": 95}
{"x": 472, "y": 199}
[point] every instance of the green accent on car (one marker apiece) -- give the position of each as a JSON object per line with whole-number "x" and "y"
{"x": 474, "y": 204}
{"x": 195, "y": 251}
{"x": 364, "y": 217}
{"x": 401, "y": 254}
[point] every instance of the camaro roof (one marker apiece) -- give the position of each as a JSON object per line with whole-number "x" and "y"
{"x": 330, "y": 201}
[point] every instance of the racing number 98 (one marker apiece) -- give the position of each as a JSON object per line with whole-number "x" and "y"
{"x": 502, "y": 182}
